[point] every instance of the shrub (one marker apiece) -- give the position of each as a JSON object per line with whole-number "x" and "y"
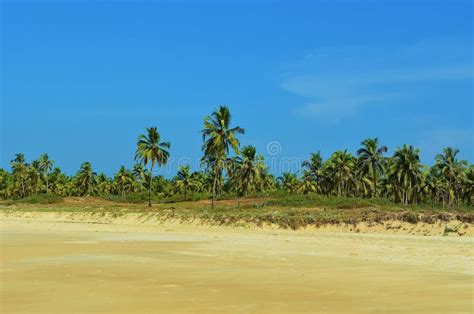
{"x": 41, "y": 199}
{"x": 410, "y": 217}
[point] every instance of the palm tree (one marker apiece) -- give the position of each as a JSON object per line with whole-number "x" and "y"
{"x": 340, "y": 167}
{"x": 267, "y": 180}
{"x": 185, "y": 180}
{"x": 308, "y": 183}
{"x": 314, "y": 165}
{"x": 140, "y": 174}
{"x": 371, "y": 159}
{"x": 150, "y": 150}
{"x": 289, "y": 182}
{"x": 20, "y": 172}
{"x": 468, "y": 185}
{"x": 35, "y": 175}
{"x": 104, "y": 186}
{"x": 452, "y": 170}
{"x": 46, "y": 167}
{"x": 406, "y": 170}
{"x": 5, "y": 184}
{"x": 219, "y": 138}
{"x": 86, "y": 178}
{"x": 433, "y": 184}
{"x": 124, "y": 179}
{"x": 248, "y": 173}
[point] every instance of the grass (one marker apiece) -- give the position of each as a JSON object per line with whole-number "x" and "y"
{"x": 43, "y": 199}
{"x": 142, "y": 198}
{"x": 287, "y": 211}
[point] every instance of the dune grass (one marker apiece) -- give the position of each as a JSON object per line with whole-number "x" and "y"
{"x": 282, "y": 209}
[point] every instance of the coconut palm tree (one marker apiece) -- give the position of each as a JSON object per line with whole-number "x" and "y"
{"x": 5, "y": 184}
{"x": 20, "y": 172}
{"x": 35, "y": 175}
{"x": 151, "y": 151}
{"x": 104, "y": 185}
{"x": 267, "y": 181}
{"x": 185, "y": 181}
{"x": 57, "y": 179}
{"x": 46, "y": 167}
{"x": 124, "y": 180}
{"x": 139, "y": 172}
{"x": 371, "y": 159}
{"x": 341, "y": 168}
{"x": 433, "y": 184}
{"x": 314, "y": 165}
{"x": 406, "y": 171}
{"x": 452, "y": 170}
{"x": 86, "y": 178}
{"x": 289, "y": 182}
{"x": 308, "y": 184}
{"x": 468, "y": 185}
{"x": 248, "y": 173}
{"x": 219, "y": 138}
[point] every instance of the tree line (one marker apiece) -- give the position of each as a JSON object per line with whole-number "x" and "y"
{"x": 228, "y": 168}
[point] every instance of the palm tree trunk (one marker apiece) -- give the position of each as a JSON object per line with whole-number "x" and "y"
{"x": 214, "y": 191}
{"x": 375, "y": 181}
{"x": 216, "y": 171}
{"x": 46, "y": 175}
{"x": 23, "y": 188}
{"x": 149, "y": 186}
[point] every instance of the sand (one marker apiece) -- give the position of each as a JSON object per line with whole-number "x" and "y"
{"x": 59, "y": 267}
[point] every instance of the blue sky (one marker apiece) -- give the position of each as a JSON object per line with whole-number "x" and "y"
{"x": 81, "y": 79}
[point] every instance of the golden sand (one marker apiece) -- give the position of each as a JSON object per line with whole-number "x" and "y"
{"x": 56, "y": 267}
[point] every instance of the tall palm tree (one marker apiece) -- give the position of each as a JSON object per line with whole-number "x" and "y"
{"x": 468, "y": 185}
{"x": 371, "y": 159}
{"x": 341, "y": 167}
{"x": 151, "y": 151}
{"x": 406, "y": 170}
{"x": 433, "y": 184}
{"x": 452, "y": 170}
{"x": 5, "y": 184}
{"x": 86, "y": 178}
{"x": 219, "y": 137}
{"x": 248, "y": 172}
{"x": 46, "y": 167}
{"x": 20, "y": 172}
{"x": 314, "y": 165}
{"x": 35, "y": 175}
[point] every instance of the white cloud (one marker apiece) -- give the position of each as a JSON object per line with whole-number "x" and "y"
{"x": 338, "y": 81}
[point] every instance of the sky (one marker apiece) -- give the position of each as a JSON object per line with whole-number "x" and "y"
{"x": 82, "y": 79}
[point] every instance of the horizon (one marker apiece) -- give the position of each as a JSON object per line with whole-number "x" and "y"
{"x": 82, "y": 80}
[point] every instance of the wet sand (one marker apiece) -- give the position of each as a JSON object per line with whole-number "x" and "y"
{"x": 53, "y": 267}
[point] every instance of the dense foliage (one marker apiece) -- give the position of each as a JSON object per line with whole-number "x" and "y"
{"x": 400, "y": 178}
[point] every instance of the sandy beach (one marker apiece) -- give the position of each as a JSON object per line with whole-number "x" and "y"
{"x": 57, "y": 267}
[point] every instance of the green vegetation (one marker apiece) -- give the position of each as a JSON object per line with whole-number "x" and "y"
{"x": 343, "y": 181}
{"x": 279, "y": 208}
{"x": 44, "y": 199}
{"x": 150, "y": 150}
{"x": 218, "y": 138}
